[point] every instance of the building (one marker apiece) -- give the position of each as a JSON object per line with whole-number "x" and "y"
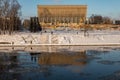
{"x": 62, "y": 15}
{"x": 63, "y": 58}
{"x": 26, "y": 23}
{"x": 117, "y": 22}
{"x": 34, "y": 24}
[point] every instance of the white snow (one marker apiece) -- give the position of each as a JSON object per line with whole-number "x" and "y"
{"x": 63, "y": 38}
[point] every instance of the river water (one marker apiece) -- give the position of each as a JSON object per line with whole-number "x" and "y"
{"x": 61, "y": 65}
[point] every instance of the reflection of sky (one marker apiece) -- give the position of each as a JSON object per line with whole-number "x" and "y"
{"x": 102, "y": 69}
{"x": 103, "y": 7}
{"x": 91, "y": 70}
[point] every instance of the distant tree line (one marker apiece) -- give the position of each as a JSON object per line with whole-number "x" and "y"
{"x": 9, "y": 16}
{"x": 98, "y": 19}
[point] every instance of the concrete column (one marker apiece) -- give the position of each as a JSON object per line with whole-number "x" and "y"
{"x": 55, "y": 19}
{"x": 71, "y": 19}
{"x": 47, "y": 19}
{"x": 43, "y": 20}
{"x": 75, "y": 19}
{"x": 50, "y": 19}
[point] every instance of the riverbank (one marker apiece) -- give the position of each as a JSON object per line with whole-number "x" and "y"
{"x": 62, "y": 38}
{"x": 56, "y": 48}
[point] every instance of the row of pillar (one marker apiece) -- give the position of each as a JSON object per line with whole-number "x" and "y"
{"x": 62, "y": 19}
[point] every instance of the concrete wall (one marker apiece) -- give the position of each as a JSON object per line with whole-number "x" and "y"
{"x": 61, "y": 39}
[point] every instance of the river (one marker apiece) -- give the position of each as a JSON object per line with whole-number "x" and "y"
{"x": 61, "y": 65}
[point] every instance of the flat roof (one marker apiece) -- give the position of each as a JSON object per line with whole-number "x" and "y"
{"x": 62, "y": 5}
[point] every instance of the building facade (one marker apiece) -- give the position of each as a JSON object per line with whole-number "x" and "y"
{"x": 62, "y": 15}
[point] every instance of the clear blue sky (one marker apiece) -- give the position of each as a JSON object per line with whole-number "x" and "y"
{"x": 109, "y": 8}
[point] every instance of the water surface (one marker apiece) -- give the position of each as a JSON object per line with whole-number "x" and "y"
{"x": 61, "y": 65}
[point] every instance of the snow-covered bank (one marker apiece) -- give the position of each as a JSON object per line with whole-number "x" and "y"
{"x": 62, "y": 38}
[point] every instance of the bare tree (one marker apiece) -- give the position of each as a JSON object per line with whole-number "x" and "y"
{"x": 9, "y": 13}
{"x": 99, "y": 19}
{"x": 96, "y": 19}
{"x": 107, "y": 20}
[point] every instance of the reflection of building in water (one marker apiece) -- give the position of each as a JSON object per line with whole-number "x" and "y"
{"x": 20, "y": 66}
{"x": 14, "y": 59}
{"x": 34, "y": 56}
{"x": 62, "y": 15}
{"x": 63, "y": 58}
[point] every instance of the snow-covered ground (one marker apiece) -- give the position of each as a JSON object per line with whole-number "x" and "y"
{"x": 63, "y": 38}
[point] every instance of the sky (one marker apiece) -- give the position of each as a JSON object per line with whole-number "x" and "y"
{"x": 110, "y": 8}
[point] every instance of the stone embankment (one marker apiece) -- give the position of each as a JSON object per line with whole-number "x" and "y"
{"x": 76, "y": 38}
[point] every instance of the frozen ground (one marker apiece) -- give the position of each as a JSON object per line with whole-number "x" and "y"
{"x": 76, "y": 37}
